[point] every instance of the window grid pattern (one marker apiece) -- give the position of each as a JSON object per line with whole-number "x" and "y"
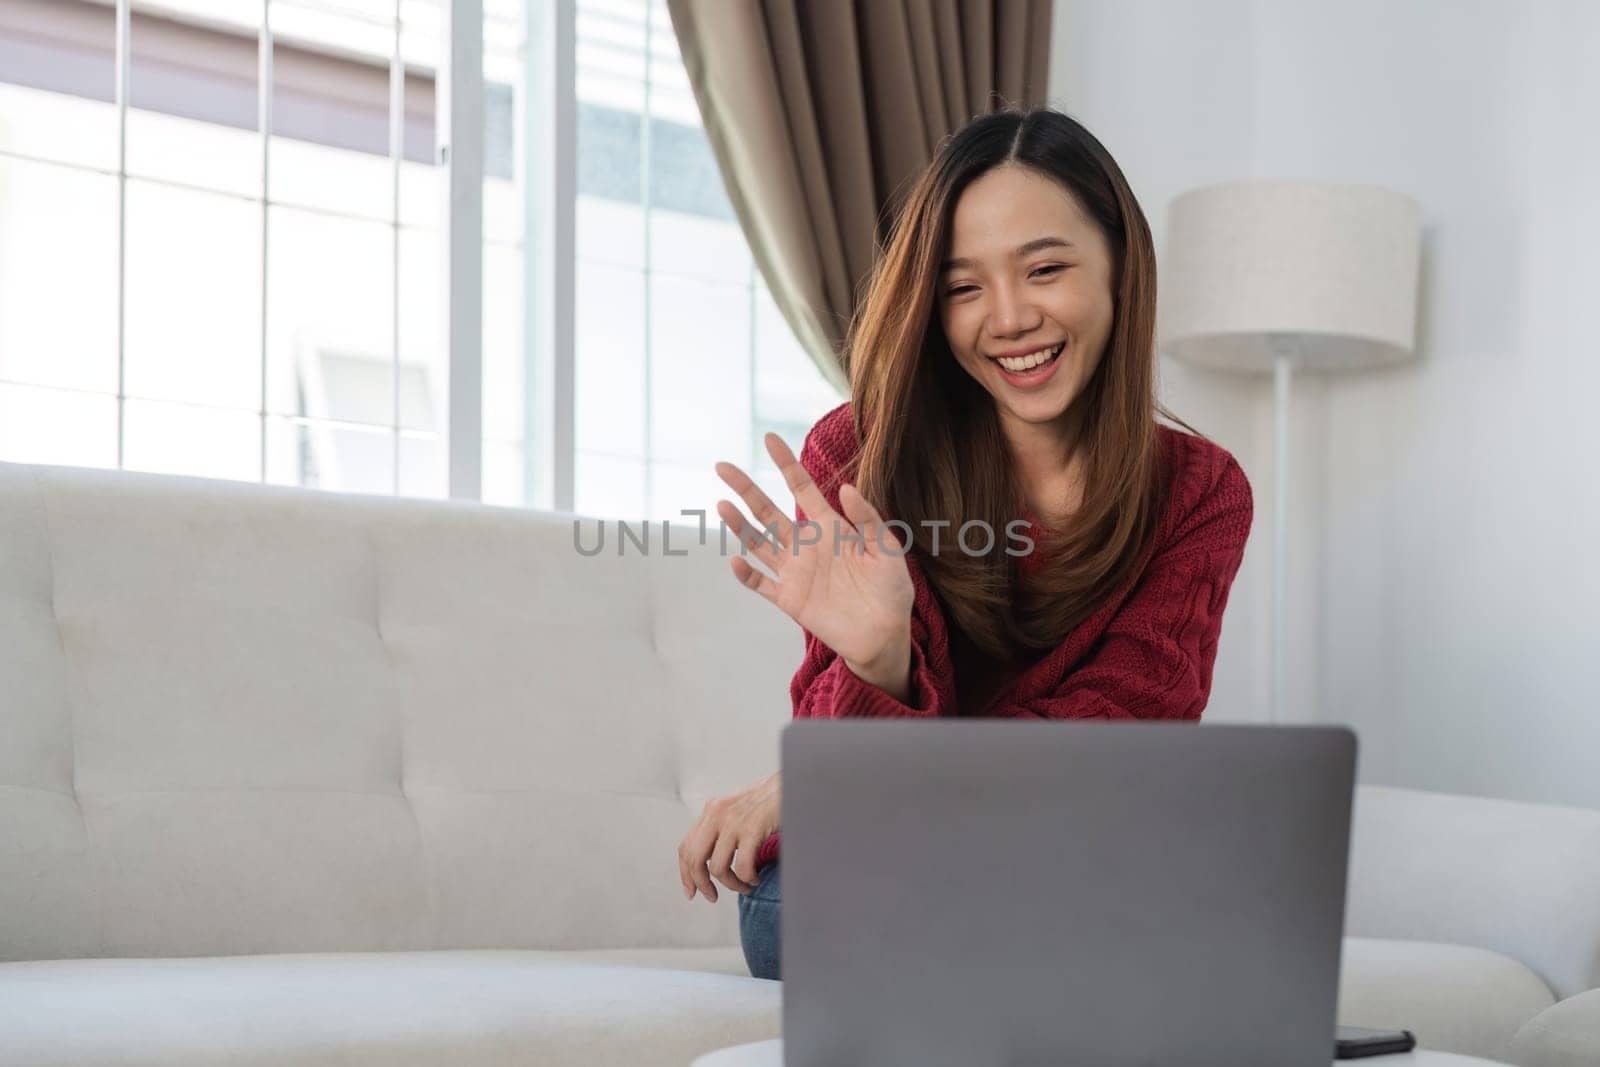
{"x": 394, "y": 32}
{"x": 642, "y": 157}
{"x": 630, "y": 75}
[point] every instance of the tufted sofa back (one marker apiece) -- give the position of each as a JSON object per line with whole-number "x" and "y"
{"x": 238, "y": 718}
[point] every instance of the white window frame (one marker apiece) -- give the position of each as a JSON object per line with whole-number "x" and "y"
{"x": 547, "y": 126}
{"x": 460, "y": 126}
{"x": 460, "y": 148}
{"x": 544, "y": 160}
{"x": 549, "y": 164}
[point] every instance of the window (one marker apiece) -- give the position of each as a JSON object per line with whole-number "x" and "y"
{"x": 194, "y": 297}
{"x": 682, "y": 357}
{"x": 185, "y": 294}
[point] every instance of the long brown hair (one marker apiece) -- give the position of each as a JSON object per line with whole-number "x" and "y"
{"x": 931, "y": 442}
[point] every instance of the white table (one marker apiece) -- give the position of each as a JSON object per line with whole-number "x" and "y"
{"x": 770, "y": 1054}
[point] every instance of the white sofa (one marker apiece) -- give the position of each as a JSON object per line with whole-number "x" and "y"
{"x": 298, "y": 778}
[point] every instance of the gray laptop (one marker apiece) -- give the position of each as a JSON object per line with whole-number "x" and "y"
{"x": 1003, "y": 893}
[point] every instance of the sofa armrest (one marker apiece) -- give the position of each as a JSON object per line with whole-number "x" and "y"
{"x": 1516, "y": 878}
{"x": 1565, "y": 1035}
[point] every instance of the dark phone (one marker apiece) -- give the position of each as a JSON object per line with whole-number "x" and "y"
{"x": 1354, "y": 1042}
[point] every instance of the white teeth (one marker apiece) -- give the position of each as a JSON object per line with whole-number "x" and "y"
{"x": 1022, "y": 363}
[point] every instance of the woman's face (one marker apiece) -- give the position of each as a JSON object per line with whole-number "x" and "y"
{"x": 1027, "y": 275}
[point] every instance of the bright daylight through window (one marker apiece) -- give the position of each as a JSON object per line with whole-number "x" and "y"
{"x": 158, "y": 313}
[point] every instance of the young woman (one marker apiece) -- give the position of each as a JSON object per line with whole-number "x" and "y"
{"x": 1002, "y": 377}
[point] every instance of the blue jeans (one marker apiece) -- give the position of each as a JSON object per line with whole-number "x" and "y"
{"x": 758, "y": 924}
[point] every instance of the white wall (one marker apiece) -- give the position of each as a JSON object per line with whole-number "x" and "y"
{"x": 1443, "y": 576}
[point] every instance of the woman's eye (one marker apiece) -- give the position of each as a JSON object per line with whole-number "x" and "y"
{"x": 1051, "y": 269}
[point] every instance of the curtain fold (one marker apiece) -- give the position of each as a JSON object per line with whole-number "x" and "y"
{"x": 819, "y": 113}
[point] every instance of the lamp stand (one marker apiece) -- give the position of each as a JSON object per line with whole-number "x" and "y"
{"x": 1284, "y": 353}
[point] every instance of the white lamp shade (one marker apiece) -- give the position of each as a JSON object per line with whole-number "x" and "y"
{"x": 1326, "y": 271}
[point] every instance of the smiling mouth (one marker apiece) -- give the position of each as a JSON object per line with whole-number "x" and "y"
{"x": 1033, "y": 361}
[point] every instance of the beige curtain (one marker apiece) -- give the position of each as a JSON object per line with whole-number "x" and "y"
{"x": 819, "y": 111}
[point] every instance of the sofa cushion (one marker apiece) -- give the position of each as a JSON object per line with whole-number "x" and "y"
{"x": 1567, "y": 1035}
{"x": 242, "y": 718}
{"x": 606, "y": 1008}
{"x": 1452, "y": 997}
{"x": 1516, "y": 878}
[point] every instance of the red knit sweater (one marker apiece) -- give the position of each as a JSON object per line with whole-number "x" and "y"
{"x": 1144, "y": 654}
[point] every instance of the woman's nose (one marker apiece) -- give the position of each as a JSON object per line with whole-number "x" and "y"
{"x": 1012, "y": 313}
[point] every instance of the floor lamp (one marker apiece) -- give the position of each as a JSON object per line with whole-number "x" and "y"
{"x": 1279, "y": 275}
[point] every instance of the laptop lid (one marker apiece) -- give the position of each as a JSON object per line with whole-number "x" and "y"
{"x": 970, "y": 892}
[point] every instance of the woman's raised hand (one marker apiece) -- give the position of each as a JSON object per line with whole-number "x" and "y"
{"x": 842, "y": 577}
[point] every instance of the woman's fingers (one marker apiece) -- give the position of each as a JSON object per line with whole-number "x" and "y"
{"x": 756, "y": 542}
{"x": 796, "y": 477}
{"x": 753, "y": 579}
{"x": 692, "y": 854}
{"x": 761, "y": 506}
{"x": 727, "y": 838}
{"x": 722, "y": 864}
{"x": 746, "y": 858}
{"x": 683, "y": 875}
{"x": 708, "y": 851}
{"x": 876, "y": 538}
